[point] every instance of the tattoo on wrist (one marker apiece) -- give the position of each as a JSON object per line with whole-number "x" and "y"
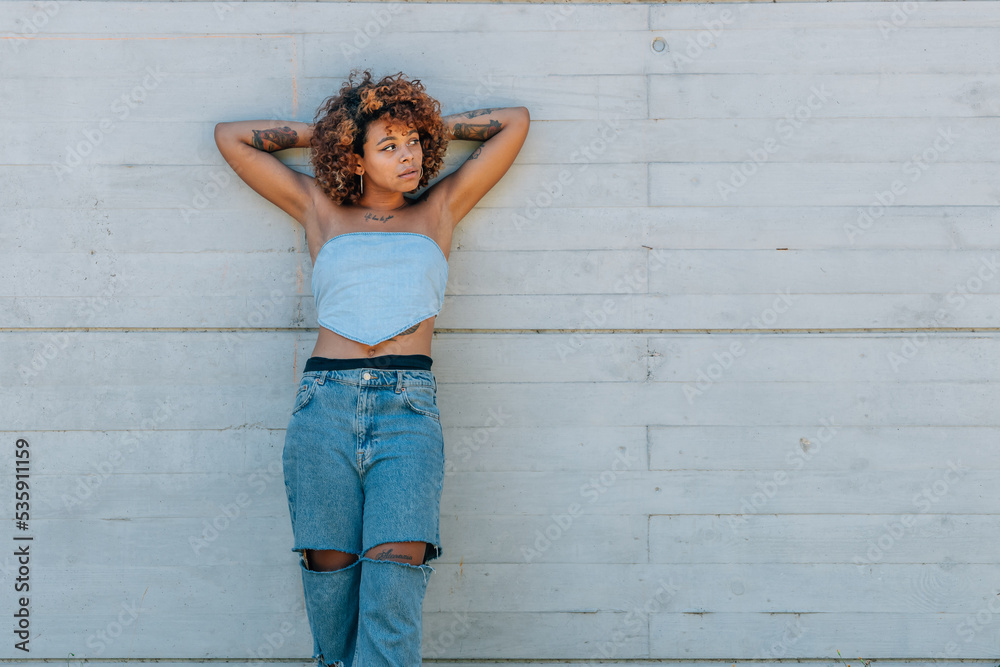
{"x": 274, "y": 139}
{"x": 476, "y": 132}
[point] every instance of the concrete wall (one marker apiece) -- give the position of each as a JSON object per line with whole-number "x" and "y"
{"x": 716, "y": 360}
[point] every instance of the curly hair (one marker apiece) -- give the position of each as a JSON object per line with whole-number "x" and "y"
{"x": 341, "y": 128}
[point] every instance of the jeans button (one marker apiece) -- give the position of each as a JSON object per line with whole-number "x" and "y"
{"x": 367, "y": 375}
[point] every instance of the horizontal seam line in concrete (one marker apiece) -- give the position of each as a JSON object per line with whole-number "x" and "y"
{"x": 524, "y": 330}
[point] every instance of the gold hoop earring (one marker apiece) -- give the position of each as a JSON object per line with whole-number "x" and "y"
{"x": 362, "y": 176}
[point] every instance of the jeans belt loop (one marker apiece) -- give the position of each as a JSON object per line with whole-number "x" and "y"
{"x": 399, "y": 381}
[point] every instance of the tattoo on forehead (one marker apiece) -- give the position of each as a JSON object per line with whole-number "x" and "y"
{"x": 274, "y": 139}
{"x": 477, "y": 131}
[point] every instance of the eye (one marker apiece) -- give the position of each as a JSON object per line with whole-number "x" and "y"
{"x": 388, "y": 146}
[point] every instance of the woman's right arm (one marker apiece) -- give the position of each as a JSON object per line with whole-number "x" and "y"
{"x": 247, "y": 146}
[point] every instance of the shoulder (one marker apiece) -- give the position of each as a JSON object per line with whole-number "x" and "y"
{"x": 433, "y": 200}
{"x": 324, "y": 219}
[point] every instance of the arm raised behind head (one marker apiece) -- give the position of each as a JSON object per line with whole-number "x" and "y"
{"x": 247, "y": 146}
{"x": 502, "y": 131}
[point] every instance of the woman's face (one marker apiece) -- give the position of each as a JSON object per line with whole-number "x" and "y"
{"x": 390, "y": 152}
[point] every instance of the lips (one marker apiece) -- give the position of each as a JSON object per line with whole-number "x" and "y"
{"x": 412, "y": 172}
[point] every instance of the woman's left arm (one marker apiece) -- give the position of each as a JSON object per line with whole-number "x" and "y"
{"x": 488, "y": 123}
{"x": 502, "y": 131}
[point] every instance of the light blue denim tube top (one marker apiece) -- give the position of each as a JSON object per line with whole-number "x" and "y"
{"x": 371, "y": 286}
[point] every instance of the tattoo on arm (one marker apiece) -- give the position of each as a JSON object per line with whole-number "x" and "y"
{"x": 479, "y": 112}
{"x": 274, "y": 139}
{"x": 476, "y": 153}
{"x": 476, "y": 132}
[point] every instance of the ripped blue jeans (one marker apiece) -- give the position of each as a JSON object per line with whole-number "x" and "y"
{"x": 364, "y": 466}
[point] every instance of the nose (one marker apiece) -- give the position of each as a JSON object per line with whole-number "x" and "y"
{"x": 409, "y": 151}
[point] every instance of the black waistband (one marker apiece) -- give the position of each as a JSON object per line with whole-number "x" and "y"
{"x": 413, "y": 362}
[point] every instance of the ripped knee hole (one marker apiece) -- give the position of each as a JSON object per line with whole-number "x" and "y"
{"x": 327, "y": 560}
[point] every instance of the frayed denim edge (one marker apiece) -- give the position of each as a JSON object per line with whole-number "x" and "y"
{"x": 320, "y": 662}
{"x": 423, "y": 567}
{"x": 302, "y": 564}
{"x": 323, "y": 549}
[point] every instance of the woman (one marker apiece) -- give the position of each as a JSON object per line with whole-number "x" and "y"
{"x": 364, "y": 452}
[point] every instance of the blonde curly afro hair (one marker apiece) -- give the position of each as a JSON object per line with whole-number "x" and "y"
{"x": 341, "y": 128}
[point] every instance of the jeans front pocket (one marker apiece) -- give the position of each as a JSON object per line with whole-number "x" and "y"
{"x": 307, "y": 387}
{"x": 422, "y": 399}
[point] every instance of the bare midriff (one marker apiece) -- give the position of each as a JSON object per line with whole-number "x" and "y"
{"x": 334, "y": 346}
